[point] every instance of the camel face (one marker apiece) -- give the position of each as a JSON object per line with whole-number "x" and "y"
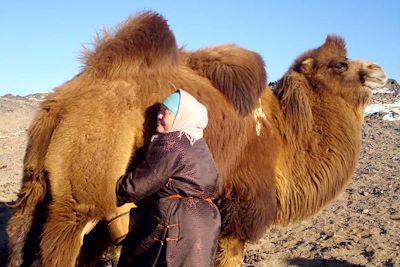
{"x": 328, "y": 70}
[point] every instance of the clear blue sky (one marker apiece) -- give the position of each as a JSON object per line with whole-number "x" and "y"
{"x": 41, "y": 41}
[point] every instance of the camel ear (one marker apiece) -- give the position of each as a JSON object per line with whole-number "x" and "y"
{"x": 293, "y": 94}
{"x": 307, "y": 66}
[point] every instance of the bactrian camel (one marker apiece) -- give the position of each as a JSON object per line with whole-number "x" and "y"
{"x": 282, "y": 154}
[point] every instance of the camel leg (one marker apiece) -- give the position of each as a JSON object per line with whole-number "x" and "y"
{"x": 17, "y": 230}
{"x": 63, "y": 233}
{"x": 230, "y": 252}
{"x": 23, "y": 231}
{"x": 24, "y": 226}
{"x": 98, "y": 248}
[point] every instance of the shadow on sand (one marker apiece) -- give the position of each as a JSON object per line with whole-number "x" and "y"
{"x": 5, "y": 214}
{"x": 300, "y": 262}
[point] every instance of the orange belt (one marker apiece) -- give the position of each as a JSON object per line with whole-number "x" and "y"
{"x": 177, "y": 196}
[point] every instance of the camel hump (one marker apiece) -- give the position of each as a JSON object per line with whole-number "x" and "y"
{"x": 238, "y": 73}
{"x": 140, "y": 43}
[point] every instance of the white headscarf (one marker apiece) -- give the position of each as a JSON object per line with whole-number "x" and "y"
{"x": 191, "y": 118}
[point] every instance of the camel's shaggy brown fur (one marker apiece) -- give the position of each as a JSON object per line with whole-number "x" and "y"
{"x": 281, "y": 155}
{"x": 239, "y": 74}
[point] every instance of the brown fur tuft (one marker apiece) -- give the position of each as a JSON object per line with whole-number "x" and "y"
{"x": 140, "y": 43}
{"x": 293, "y": 93}
{"x": 334, "y": 46}
{"x": 238, "y": 73}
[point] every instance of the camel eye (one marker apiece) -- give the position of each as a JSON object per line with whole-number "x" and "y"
{"x": 339, "y": 67}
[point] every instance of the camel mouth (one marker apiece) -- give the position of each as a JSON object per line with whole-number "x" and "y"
{"x": 372, "y": 76}
{"x": 375, "y": 80}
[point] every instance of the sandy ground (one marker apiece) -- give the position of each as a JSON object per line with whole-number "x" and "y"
{"x": 361, "y": 228}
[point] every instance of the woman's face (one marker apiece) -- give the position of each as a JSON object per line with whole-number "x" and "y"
{"x": 165, "y": 120}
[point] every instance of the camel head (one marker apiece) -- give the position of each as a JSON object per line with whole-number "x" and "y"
{"x": 328, "y": 70}
{"x": 326, "y": 73}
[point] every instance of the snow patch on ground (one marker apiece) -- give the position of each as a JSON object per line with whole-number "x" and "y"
{"x": 390, "y": 111}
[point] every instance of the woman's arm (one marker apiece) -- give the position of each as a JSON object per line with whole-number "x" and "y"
{"x": 150, "y": 175}
{"x": 133, "y": 186}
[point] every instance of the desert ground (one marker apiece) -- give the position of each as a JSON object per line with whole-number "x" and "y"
{"x": 360, "y": 228}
